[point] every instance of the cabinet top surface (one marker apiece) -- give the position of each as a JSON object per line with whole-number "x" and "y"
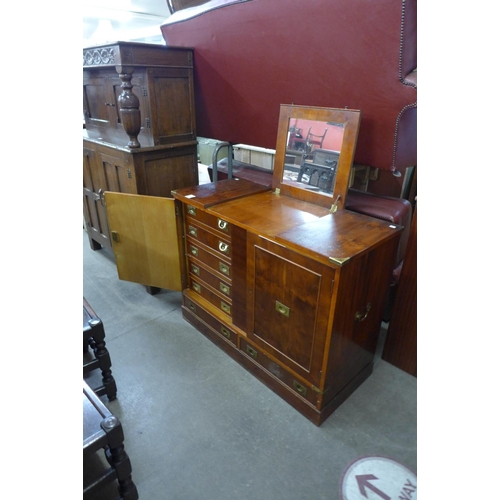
{"x": 207, "y": 195}
{"x": 339, "y": 236}
{"x": 306, "y": 227}
{"x": 268, "y": 214}
{"x": 135, "y": 54}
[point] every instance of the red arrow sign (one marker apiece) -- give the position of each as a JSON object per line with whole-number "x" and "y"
{"x": 364, "y": 484}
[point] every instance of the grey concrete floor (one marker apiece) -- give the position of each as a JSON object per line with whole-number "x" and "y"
{"x": 199, "y": 426}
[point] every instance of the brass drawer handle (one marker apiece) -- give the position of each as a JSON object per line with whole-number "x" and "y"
{"x": 223, "y": 268}
{"x": 362, "y": 316}
{"x": 281, "y": 308}
{"x": 191, "y": 210}
{"x": 195, "y": 269}
{"x": 299, "y": 388}
{"x": 225, "y": 307}
{"x": 225, "y": 332}
{"x": 252, "y": 352}
{"x": 222, "y": 224}
{"x": 192, "y": 307}
{"x": 224, "y": 247}
{"x": 224, "y": 288}
{"x": 193, "y": 231}
{"x": 193, "y": 250}
{"x": 196, "y": 287}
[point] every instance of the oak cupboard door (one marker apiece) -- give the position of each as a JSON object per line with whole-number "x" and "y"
{"x": 94, "y": 210}
{"x": 172, "y": 115}
{"x": 145, "y": 236}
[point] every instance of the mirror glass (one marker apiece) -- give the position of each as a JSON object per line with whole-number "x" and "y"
{"x": 314, "y": 153}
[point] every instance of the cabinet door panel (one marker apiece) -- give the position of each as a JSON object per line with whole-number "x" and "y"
{"x": 94, "y": 185}
{"x": 172, "y": 117}
{"x": 290, "y": 308}
{"x": 95, "y": 105}
{"x": 119, "y": 174}
{"x": 145, "y": 236}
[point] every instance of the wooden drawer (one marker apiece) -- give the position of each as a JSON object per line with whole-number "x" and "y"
{"x": 197, "y": 236}
{"x": 299, "y": 388}
{"x": 220, "y": 329}
{"x": 198, "y": 255}
{"x": 198, "y": 272}
{"x": 200, "y": 216}
{"x": 221, "y": 302}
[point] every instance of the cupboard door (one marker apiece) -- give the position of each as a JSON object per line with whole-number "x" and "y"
{"x": 94, "y": 185}
{"x": 145, "y": 235}
{"x": 119, "y": 173}
{"x": 172, "y": 115}
{"x": 289, "y": 306}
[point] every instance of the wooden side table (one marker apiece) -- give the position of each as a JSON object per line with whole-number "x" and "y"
{"x": 103, "y": 431}
{"x": 93, "y": 337}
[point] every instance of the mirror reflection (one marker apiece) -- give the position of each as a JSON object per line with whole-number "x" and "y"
{"x": 312, "y": 154}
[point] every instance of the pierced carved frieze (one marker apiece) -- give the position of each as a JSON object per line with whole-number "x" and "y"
{"x": 98, "y": 56}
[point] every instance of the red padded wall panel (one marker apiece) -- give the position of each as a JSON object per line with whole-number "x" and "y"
{"x": 251, "y": 57}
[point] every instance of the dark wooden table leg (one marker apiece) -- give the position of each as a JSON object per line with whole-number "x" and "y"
{"x": 118, "y": 458}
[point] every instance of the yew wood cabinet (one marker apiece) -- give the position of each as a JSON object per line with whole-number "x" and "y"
{"x": 285, "y": 282}
{"x": 286, "y": 288}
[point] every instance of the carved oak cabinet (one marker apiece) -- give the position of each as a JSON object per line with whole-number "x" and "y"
{"x": 140, "y": 134}
{"x": 286, "y": 283}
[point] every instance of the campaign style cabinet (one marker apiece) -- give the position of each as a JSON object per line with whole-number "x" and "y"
{"x": 288, "y": 284}
{"x": 139, "y": 126}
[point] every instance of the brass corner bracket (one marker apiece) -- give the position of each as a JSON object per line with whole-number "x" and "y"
{"x": 340, "y": 262}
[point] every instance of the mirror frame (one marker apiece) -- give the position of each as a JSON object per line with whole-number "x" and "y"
{"x": 350, "y": 119}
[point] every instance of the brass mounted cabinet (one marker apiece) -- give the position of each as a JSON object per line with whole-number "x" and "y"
{"x": 139, "y": 126}
{"x": 287, "y": 286}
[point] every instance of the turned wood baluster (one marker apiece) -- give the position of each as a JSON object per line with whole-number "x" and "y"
{"x": 129, "y": 110}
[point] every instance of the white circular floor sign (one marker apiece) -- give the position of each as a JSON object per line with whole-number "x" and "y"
{"x": 378, "y": 478}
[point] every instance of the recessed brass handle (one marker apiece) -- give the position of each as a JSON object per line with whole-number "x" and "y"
{"x": 193, "y": 231}
{"x": 223, "y": 268}
{"x": 193, "y": 250}
{"x": 361, "y": 316}
{"x": 281, "y": 308}
{"x": 299, "y": 388}
{"x": 191, "y": 210}
{"x": 195, "y": 269}
{"x": 225, "y": 332}
{"x": 224, "y": 288}
{"x": 224, "y": 247}
{"x": 196, "y": 287}
{"x": 222, "y": 224}
{"x": 252, "y": 352}
{"x": 225, "y": 307}
{"x": 192, "y": 307}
